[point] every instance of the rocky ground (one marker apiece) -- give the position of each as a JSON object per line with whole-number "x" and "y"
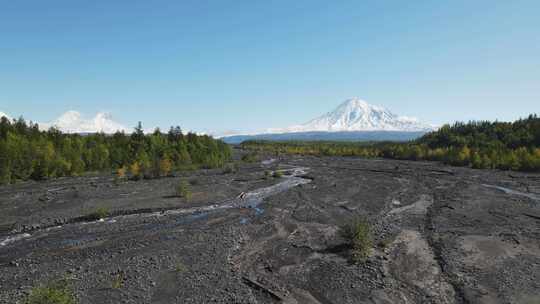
{"x": 441, "y": 235}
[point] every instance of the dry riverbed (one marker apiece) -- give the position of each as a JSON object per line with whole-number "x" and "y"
{"x": 441, "y": 235}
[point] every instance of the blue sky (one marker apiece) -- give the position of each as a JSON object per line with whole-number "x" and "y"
{"x": 251, "y": 65}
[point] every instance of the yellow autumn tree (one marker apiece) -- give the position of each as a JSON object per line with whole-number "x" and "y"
{"x": 121, "y": 172}
{"x": 165, "y": 166}
{"x": 135, "y": 170}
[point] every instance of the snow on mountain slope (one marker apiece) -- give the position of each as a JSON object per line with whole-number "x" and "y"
{"x": 2, "y": 114}
{"x": 357, "y": 115}
{"x": 73, "y": 122}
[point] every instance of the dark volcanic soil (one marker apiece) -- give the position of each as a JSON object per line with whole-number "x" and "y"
{"x": 442, "y": 235}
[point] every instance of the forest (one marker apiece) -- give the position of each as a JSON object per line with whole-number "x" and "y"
{"x": 478, "y": 144}
{"x": 28, "y": 153}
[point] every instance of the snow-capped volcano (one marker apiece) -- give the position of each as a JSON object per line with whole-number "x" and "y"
{"x": 357, "y": 115}
{"x": 2, "y": 114}
{"x": 73, "y": 122}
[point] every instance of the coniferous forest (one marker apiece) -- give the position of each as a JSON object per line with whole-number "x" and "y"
{"x": 482, "y": 145}
{"x": 28, "y": 153}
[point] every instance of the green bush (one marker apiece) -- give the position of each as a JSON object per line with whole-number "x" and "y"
{"x": 99, "y": 213}
{"x": 58, "y": 292}
{"x": 183, "y": 190}
{"x": 358, "y": 234}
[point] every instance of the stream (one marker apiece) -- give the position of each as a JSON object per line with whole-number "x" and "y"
{"x": 251, "y": 199}
{"x": 514, "y": 192}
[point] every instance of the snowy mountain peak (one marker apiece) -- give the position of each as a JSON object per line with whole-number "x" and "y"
{"x": 355, "y": 103}
{"x": 358, "y": 115}
{"x": 73, "y": 122}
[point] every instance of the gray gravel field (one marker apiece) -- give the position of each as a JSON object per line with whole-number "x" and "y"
{"x": 441, "y": 235}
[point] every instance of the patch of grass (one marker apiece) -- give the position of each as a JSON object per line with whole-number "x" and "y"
{"x": 99, "y": 213}
{"x": 117, "y": 281}
{"x": 183, "y": 190}
{"x": 358, "y": 233}
{"x": 57, "y": 292}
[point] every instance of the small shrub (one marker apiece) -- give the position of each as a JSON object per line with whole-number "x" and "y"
{"x": 99, "y": 213}
{"x": 179, "y": 267}
{"x": 267, "y": 174}
{"x": 358, "y": 233}
{"x": 121, "y": 172}
{"x": 58, "y": 292}
{"x": 194, "y": 182}
{"x": 385, "y": 243}
{"x": 277, "y": 174}
{"x": 183, "y": 190}
{"x": 117, "y": 281}
{"x": 229, "y": 168}
{"x": 250, "y": 157}
{"x": 120, "y": 175}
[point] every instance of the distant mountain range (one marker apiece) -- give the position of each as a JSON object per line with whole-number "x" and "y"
{"x": 352, "y": 120}
{"x": 74, "y": 122}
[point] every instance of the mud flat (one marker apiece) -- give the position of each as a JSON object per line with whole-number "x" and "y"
{"x": 441, "y": 234}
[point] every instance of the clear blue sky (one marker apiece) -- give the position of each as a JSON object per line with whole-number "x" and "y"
{"x": 247, "y": 65}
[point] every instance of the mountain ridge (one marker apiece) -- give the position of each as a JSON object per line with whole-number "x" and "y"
{"x": 73, "y": 122}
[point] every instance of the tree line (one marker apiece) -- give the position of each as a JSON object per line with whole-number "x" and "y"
{"x": 478, "y": 144}
{"x": 28, "y": 153}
